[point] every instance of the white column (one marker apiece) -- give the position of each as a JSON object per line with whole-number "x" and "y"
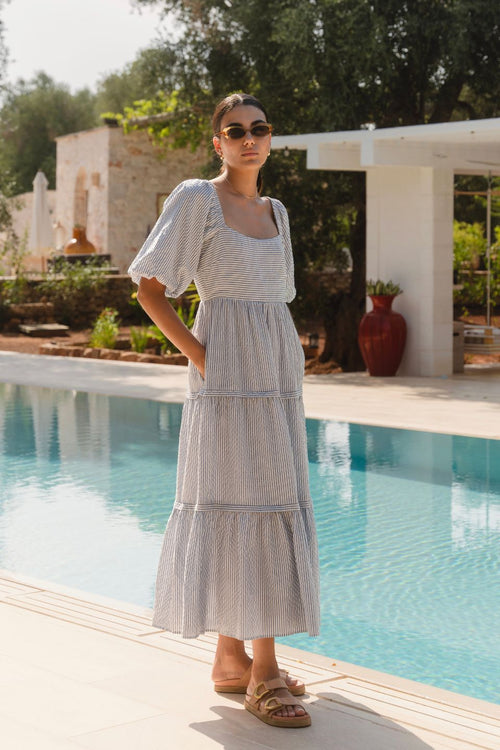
{"x": 410, "y": 240}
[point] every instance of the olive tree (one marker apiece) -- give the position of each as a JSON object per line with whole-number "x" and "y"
{"x": 322, "y": 66}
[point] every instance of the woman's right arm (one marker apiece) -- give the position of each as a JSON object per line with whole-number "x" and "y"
{"x": 151, "y": 295}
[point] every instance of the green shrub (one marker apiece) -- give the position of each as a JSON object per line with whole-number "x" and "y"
{"x": 186, "y": 311}
{"x": 139, "y": 338}
{"x": 469, "y": 244}
{"x": 189, "y": 305}
{"x": 469, "y": 264}
{"x": 13, "y": 251}
{"x": 70, "y": 286}
{"x": 105, "y": 329}
{"x": 166, "y": 346}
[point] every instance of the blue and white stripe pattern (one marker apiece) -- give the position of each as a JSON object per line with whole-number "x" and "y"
{"x": 240, "y": 553}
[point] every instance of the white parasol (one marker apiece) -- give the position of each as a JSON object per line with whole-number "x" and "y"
{"x": 41, "y": 234}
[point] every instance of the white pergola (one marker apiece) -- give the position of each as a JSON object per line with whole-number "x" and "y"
{"x": 409, "y": 193}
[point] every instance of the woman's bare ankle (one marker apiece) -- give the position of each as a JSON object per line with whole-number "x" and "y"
{"x": 262, "y": 672}
{"x": 231, "y": 660}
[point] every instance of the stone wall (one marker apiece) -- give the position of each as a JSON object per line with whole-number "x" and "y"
{"x": 82, "y": 184}
{"x": 112, "y": 182}
{"x": 138, "y": 176}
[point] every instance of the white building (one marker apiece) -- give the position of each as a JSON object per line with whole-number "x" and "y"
{"x": 409, "y": 191}
{"x": 114, "y": 184}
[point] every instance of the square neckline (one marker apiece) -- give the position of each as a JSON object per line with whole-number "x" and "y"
{"x": 247, "y": 236}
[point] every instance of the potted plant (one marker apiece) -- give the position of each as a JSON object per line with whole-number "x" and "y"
{"x": 382, "y": 331}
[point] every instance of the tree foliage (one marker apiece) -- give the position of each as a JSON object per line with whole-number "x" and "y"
{"x": 325, "y": 65}
{"x": 33, "y": 114}
{"x": 3, "y": 48}
{"x": 9, "y": 238}
{"x": 143, "y": 79}
{"x": 338, "y": 63}
{"x": 333, "y": 65}
{"x": 470, "y": 265}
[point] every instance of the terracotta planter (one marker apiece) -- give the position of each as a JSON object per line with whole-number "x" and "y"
{"x": 79, "y": 245}
{"x": 382, "y": 337}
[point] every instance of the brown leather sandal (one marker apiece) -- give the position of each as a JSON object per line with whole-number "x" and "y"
{"x": 240, "y": 685}
{"x": 264, "y": 703}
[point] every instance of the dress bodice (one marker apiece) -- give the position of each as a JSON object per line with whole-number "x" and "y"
{"x": 191, "y": 240}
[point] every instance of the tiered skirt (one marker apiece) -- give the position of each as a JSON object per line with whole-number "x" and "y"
{"x": 240, "y": 555}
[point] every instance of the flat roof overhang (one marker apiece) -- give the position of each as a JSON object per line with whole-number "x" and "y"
{"x": 466, "y": 147}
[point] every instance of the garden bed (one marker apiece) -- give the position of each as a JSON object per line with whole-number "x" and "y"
{"x": 75, "y": 344}
{"x": 60, "y": 349}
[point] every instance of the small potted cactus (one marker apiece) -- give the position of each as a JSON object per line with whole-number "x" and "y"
{"x": 382, "y": 331}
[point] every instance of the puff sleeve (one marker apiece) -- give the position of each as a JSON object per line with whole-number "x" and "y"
{"x": 287, "y": 243}
{"x": 171, "y": 253}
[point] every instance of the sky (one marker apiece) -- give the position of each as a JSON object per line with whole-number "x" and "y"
{"x": 76, "y": 41}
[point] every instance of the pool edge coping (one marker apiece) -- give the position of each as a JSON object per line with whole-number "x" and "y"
{"x": 338, "y": 669}
{"x": 408, "y": 408}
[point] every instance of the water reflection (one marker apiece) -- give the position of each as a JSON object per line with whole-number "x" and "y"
{"x": 342, "y": 516}
{"x": 122, "y": 448}
{"x": 409, "y": 549}
{"x": 408, "y": 523}
{"x": 87, "y": 485}
{"x": 475, "y": 521}
{"x": 125, "y": 451}
{"x": 454, "y": 482}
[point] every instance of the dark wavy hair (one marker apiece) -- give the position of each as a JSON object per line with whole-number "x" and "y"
{"x": 229, "y": 103}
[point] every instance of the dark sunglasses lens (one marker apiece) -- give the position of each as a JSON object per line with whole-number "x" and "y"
{"x": 235, "y": 132}
{"x": 258, "y": 131}
{"x": 261, "y": 130}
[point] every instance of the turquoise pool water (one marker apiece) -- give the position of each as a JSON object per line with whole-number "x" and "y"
{"x": 409, "y": 526}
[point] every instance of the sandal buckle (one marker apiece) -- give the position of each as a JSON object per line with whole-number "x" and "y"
{"x": 269, "y": 707}
{"x": 259, "y": 696}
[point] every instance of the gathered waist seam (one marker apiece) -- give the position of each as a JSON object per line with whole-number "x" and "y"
{"x": 243, "y": 299}
{"x": 242, "y": 394}
{"x": 223, "y": 507}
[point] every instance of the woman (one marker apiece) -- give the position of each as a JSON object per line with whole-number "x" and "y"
{"x": 239, "y": 555}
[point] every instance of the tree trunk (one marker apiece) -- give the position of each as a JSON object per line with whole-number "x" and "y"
{"x": 447, "y": 99}
{"x": 345, "y": 310}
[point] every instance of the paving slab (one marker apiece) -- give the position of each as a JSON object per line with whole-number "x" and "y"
{"x": 84, "y": 671}
{"x": 465, "y": 404}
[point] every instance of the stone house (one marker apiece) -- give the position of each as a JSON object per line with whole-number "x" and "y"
{"x": 114, "y": 184}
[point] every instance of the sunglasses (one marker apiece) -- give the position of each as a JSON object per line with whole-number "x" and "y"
{"x": 235, "y": 132}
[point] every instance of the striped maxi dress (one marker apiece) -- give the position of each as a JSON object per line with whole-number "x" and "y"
{"x": 239, "y": 555}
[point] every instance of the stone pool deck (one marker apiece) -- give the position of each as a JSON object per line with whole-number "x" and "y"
{"x": 466, "y": 404}
{"x": 81, "y": 671}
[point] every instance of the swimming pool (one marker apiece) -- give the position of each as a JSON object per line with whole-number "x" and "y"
{"x": 408, "y": 522}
